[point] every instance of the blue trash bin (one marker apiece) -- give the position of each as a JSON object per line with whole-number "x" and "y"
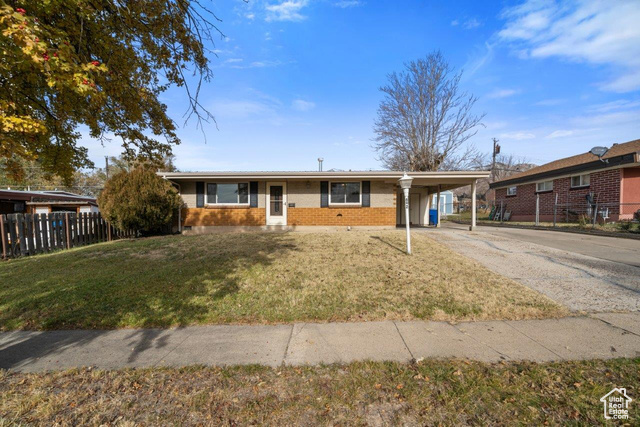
{"x": 433, "y": 216}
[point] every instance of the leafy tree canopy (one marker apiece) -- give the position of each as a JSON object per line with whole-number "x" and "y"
{"x": 99, "y": 63}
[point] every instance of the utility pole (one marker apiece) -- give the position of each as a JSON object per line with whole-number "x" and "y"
{"x": 106, "y": 165}
{"x": 496, "y": 151}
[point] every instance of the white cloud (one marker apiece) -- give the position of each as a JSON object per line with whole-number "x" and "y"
{"x": 267, "y": 35}
{"x": 344, "y": 4}
{"x": 288, "y": 10}
{"x": 472, "y": 23}
{"x": 302, "y": 105}
{"x": 468, "y": 24}
{"x": 241, "y": 109}
{"x": 478, "y": 61}
{"x": 559, "y": 134}
{"x": 591, "y": 31}
{"x": 518, "y": 136}
{"x": 238, "y": 64}
{"x": 502, "y": 93}
{"x": 620, "y": 104}
{"x": 250, "y": 16}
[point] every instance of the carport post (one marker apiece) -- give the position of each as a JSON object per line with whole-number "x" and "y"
{"x": 438, "y": 206}
{"x": 473, "y": 205}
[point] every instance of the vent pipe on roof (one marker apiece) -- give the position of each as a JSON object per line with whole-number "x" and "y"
{"x": 320, "y": 160}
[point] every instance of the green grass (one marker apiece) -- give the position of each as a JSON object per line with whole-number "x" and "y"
{"x": 431, "y": 392}
{"x": 257, "y": 278}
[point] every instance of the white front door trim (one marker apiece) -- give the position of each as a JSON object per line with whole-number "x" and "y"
{"x": 277, "y": 220}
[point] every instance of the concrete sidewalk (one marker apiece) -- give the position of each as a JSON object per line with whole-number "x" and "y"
{"x": 599, "y": 336}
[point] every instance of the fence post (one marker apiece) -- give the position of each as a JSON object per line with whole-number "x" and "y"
{"x": 66, "y": 221}
{"x": 3, "y": 237}
{"x": 537, "y": 210}
{"x": 555, "y": 210}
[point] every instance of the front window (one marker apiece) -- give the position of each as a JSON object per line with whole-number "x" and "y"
{"x": 228, "y": 193}
{"x": 580, "y": 181}
{"x": 511, "y": 191}
{"x": 544, "y": 186}
{"x": 345, "y": 193}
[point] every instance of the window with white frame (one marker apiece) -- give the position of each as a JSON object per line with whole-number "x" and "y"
{"x": 511, "y": 191}
{"x": 580, "y": 181}
{"x": 345, "y": 193}
{"x": 225, "y": 193}
{"x": 544, "y": 186}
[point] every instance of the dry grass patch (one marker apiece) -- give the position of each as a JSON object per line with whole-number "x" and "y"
{"x": 427, "y": 393}
{"x": 257, "y": 278}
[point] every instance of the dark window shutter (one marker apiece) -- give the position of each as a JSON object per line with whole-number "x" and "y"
{"x": 253, "y": 194}
{"x": 199, "y": 194}
{"x": 324, "y": 194}
{"x": 366, "y": 194}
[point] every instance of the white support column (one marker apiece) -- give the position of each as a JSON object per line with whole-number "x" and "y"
{"x": 429, "y": 197}
{"x": 473, "y": 206}
{"x": 438, "y": 205}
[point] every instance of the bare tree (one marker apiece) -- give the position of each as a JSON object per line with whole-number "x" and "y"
{"x": 505, "y": 166}
{"x": 424, "y": 119}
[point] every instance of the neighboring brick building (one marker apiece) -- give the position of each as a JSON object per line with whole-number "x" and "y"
{"x": 579, "y": 183}
{"x": 214, "y": 200}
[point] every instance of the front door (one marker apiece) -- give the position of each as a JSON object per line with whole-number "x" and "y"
{"x": 276, "y": 203}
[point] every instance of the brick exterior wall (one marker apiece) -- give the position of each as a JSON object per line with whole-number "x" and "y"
{"x": 335, "y": 216}
{"x": 604, "y": 184}
{"x": 224, "y": 216}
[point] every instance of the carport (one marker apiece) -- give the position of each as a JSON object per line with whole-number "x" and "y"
{"x": 427, "y": 184}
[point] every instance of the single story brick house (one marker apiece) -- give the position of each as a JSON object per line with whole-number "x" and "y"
{"x": 39, "y": 202}
{"x": 578, "y": 183}
{"x": 294, "y": 200}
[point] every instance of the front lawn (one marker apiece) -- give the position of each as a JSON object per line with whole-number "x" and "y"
{"x": 257, "y": 278}
{"x": 427, "y": 393}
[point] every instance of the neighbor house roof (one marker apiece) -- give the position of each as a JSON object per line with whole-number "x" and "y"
{"x": 618, "y": 155}
{"x": 45, "y": 196}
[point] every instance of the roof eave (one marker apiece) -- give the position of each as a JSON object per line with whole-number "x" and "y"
{"x": 322, "y": 175}
{"x": 622, "y": 160}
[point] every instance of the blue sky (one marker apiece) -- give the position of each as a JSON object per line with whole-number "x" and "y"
{"x": 298, "y": 79}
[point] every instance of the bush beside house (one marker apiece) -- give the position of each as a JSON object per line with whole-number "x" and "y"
{"x": 139, "y": 200}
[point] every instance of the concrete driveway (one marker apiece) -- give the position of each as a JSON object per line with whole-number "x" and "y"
{"x": 584, "y": 273}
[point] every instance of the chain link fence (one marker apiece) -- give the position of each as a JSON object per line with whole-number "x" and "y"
{"x": 586, "y": 213}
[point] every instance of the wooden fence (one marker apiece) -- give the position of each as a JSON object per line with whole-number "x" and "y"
{"x": 30, "y": 234}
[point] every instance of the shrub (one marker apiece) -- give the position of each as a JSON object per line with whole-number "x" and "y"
{"x": 139, "y": 200}
{"x": 584, "y": 221}
{"x": 626, "y": 225}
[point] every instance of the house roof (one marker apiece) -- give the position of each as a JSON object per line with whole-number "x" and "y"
{"x": 45, "y": 196}
{"x": 321, "y": 175}
{"x": 618, "y": 154}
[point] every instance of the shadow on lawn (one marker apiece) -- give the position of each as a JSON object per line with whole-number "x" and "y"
{"x": 155, "y": 282}
{"x": 386, "y": 242}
